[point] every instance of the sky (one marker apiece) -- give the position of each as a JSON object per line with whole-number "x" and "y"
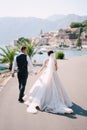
{"x": 41, "y": 8}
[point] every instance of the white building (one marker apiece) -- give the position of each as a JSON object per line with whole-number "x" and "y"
{"x": 84, "y": 43}
{"x": 43, "y": 40}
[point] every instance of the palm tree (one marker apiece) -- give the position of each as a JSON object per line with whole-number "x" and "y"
{"x": 79, "y": 43}
{"x": 23, "y": 41}
{"x": 28, "y": 43}
{"x": 31, "y": 50}
{"x": 7, "y": 56}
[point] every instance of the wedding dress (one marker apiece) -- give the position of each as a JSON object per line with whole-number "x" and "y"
{"x": 48, "y": 93}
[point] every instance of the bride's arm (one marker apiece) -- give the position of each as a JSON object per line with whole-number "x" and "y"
{"x": 56, "y": 65}
{"x": 43, "y": 67}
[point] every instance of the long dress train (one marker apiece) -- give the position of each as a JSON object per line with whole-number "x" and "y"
{"x": 48, "y": 93}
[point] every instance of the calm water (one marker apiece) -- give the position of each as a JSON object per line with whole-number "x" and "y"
{"x": 2, "y": 68}
{"x": 68, "y": 54}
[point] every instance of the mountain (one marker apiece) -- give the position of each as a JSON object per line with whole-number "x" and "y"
{"x": 65, "y": 20}
{"x": 13, "y": 27}
{"x": 56, "y": 17}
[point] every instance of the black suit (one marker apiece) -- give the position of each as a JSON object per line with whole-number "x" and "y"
{"x": 22, "y": 61}
{"x": 22, "y": 73}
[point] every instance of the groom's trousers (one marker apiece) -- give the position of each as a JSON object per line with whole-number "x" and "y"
{"x": 22, "y": 79}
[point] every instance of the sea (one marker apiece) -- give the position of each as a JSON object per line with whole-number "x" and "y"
{"x": 68, "y": 54}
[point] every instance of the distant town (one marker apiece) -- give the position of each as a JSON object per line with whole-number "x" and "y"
{"x": 62, "y": 38}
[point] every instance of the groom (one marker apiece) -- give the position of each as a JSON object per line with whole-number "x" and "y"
{"x": 22, "y": 61}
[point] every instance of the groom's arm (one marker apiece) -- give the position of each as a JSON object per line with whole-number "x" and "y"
{"x": 30, "y": 64}
{"x": 13, "y": 66}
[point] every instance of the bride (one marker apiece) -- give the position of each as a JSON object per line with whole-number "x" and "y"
{"x": 47, "y": 93}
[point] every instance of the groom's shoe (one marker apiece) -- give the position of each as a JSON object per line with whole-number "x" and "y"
{"x": 21, "y": 100}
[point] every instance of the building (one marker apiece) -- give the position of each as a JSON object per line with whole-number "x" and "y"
{"x": 84, "y": 43}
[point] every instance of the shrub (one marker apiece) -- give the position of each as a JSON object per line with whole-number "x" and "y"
{"x": 59, "y": 55}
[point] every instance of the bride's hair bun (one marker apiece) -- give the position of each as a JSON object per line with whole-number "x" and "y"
{"x": 50, "y": 52}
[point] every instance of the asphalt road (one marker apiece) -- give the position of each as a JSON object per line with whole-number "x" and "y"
{"x": 13, "y": 115}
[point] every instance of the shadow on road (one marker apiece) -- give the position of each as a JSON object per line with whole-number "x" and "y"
{"x": 78, "y": 110}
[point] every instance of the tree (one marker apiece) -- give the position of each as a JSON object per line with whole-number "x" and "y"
{"x": 31, "y": 50}
{"x": 75, "y": 25}
{"x": 85, "y": 29}
{"x": 79, "y": 42}
{"x": 59, "y": 55}
{"x": 7, "y": 56}
{"x": 23, "y": 41}
{"x": 81, "y": 30}
{"x": 28, "y": 43}
{"x": 84, "y": 23}
{"x": 30, "y": 46}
